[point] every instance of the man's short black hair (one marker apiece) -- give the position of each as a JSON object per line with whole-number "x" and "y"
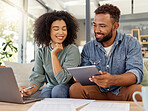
{"x": 109, "y": 9}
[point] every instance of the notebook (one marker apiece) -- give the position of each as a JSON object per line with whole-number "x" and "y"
{"x": 9, "y": 91}
{"x": 83, "y": 73}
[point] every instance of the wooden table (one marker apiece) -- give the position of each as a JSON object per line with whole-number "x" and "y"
{"x": 24, "y": 107}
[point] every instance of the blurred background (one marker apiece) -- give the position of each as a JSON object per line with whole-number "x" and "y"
{"x": 18, "y": 16}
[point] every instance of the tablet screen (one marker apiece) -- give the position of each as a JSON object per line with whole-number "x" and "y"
{"x": 83, "y": 73}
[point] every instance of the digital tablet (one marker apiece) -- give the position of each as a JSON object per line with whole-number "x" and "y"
{"x": 83, "y": 73}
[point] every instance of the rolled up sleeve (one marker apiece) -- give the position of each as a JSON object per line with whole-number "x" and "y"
{"x": 134, "y": 63}
{"x": 137, "y": 74}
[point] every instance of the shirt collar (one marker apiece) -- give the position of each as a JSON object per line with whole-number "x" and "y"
{"x": 50, "y": 48}
{"x": 119, "y": 37}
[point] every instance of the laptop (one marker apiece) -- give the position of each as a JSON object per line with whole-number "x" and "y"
{"x": 83, "y": 73}
{"x": 9, "y": 91}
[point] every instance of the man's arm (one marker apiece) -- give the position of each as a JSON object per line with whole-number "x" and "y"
{"x": 105, "y": 79}
{"x": 125, "y": 79}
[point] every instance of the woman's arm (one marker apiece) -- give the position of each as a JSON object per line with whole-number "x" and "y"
{"x": 55, "y": 61}
{"x": 71, "y": 59}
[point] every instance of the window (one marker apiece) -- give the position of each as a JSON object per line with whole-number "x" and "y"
{"x": 17, "y": 25}
{"x": 35, "y": 9}
{"x": 9, "y": 28}
{"x": 30, "y": 46}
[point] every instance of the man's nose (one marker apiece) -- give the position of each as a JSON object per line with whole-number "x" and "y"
{"x": 97, "y": 29}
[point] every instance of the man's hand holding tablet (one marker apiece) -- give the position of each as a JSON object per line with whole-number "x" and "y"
{"x": 83, "y": 73}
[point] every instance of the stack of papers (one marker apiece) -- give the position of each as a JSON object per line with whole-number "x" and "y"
{"x": 44, "y": 106}
{"x": 59, "y": 104}
{"x": 67, "y": 104}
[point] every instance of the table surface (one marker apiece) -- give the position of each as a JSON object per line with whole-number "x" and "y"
{"x": 24, "y": 107}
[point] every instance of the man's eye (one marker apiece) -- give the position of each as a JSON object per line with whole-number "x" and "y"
{"x": 94, "y": 25}
{"x": 102, "y": 26}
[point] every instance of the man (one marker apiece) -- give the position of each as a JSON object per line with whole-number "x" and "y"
{"x": 117, "y": 56}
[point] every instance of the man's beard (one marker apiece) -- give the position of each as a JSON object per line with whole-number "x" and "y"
{"x": 105, "y": 38}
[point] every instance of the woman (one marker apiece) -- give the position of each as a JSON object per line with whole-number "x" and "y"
{"x": 55, "y": 32}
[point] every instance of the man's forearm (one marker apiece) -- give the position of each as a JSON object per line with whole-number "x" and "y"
{"x": 125, "y": 79}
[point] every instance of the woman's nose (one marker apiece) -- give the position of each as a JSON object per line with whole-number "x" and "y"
{"x": 60, "y": 32}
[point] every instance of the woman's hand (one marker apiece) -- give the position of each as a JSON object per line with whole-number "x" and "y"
{"x": 57, "y": 48}
{"x": 25, "y": 92}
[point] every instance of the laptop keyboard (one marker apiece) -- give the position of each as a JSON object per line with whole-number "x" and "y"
{"x": 28, "y": 98}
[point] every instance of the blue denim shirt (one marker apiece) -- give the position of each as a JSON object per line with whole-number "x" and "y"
{"x": 125, "y": 56}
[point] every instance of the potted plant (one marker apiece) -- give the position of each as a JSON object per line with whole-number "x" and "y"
{"x": 7, "y": 51}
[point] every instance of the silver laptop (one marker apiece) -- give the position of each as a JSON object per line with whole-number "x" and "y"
{"x": 9, "y": 91}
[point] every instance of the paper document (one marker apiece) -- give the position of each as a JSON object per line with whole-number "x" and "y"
{"x": 43, "y": 106}
{"x": 106, "y": 106}
{"x": 59, "y": 104}
{"x": 76, "y": 102}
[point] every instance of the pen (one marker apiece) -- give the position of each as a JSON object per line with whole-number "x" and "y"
{"x": 30, "y": 87}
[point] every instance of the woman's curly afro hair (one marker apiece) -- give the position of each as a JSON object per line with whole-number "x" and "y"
{"x": 43, "y": 24}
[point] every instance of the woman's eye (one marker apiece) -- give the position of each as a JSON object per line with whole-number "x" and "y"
{"x": 64, "y": 29}
{"x": 55, "y": 29}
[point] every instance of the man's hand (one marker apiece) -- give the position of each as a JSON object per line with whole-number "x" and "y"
{"x": 57, "y": 48}
{"x": 104, "y": 80}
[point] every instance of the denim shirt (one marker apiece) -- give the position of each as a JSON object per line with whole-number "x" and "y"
{"x": 125, "y": 56}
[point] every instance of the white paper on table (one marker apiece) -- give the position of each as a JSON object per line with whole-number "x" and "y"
{"x": 44, "y": 106}
{"x": 75, "y": 102}
{"x": 106, "y": 106}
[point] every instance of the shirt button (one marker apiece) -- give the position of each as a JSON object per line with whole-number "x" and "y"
{"x": 107, "y": 89}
